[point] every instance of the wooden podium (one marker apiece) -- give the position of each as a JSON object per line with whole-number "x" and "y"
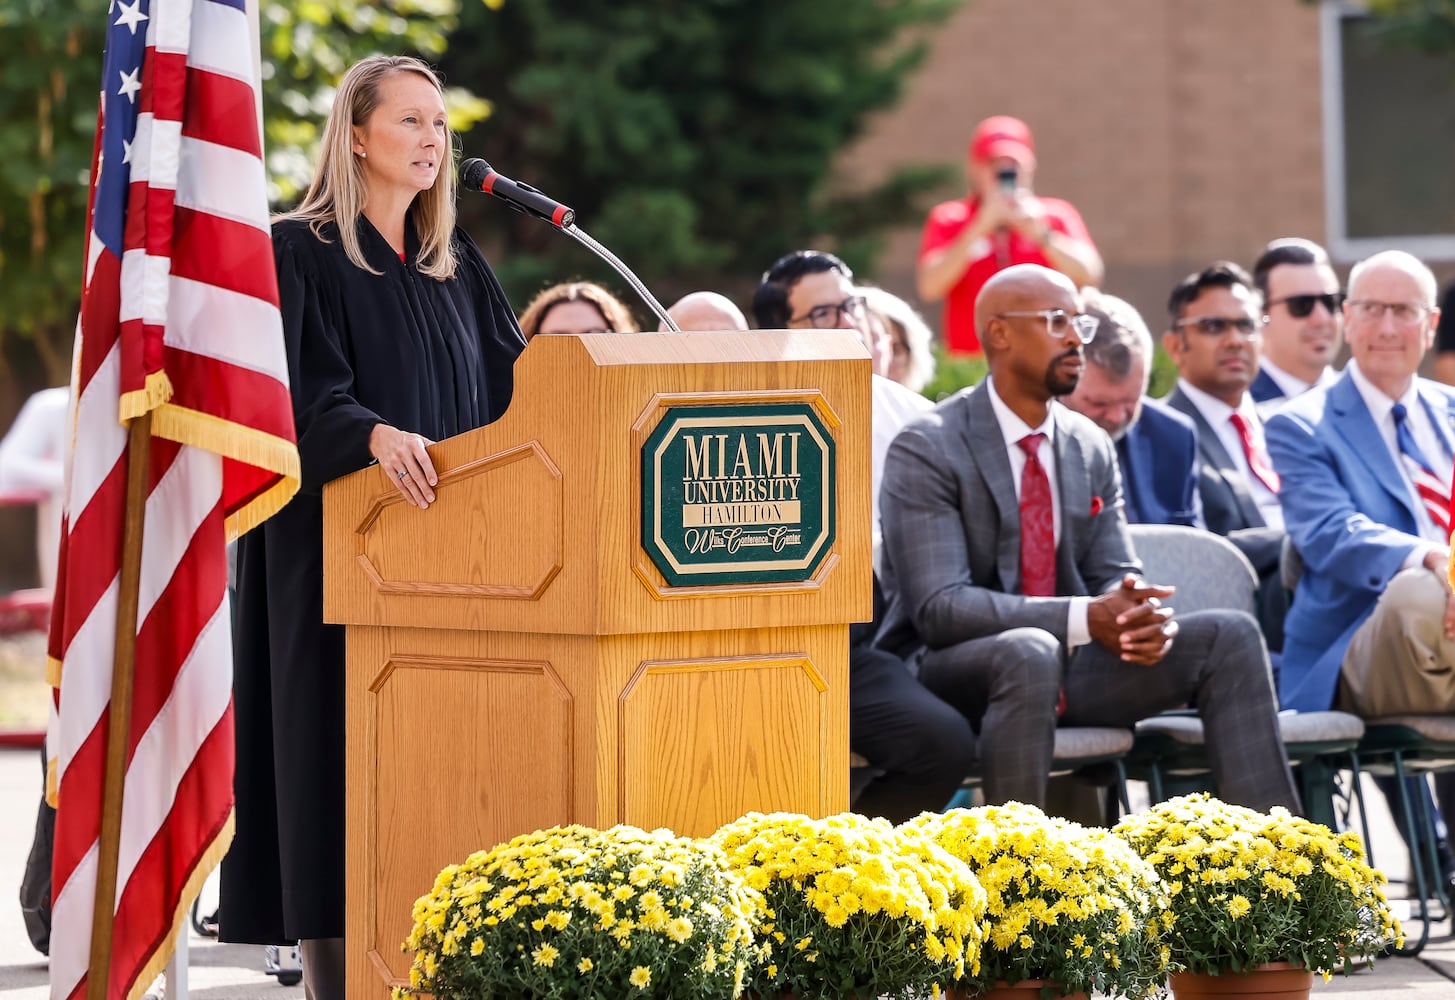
{"x": 566, "y": 637}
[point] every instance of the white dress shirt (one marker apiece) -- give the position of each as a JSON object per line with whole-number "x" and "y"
{"x": 1292, "y": 385}
{"x": 32, "y": 458}
{"x": 1013, "y": 429}
{"x": 1219, "y": 417}
{"x": 1431, "y": 445}
{"x": 891, "y": 407}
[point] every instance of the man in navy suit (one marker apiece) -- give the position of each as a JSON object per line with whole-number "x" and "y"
{"x": 1303, "y": 323}
{"x": 1366, "y": 467}
{"x": 1156, "y": 446}
{"x": 1214, "y": 336}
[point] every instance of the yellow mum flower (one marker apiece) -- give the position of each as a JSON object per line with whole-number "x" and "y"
{"x": 641, "y": 977}
{"x": 585, "y": 965}
{"x": 545, "y": 955}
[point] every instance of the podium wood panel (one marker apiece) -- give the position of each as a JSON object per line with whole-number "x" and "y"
{"x": 578, "y": 404}
{"x": 515, "y": 659}
{"x": 461, "y": 740}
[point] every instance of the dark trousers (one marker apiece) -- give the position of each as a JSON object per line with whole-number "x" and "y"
{"x": 920, "y": 747}
{"x": 1008, "y": 684}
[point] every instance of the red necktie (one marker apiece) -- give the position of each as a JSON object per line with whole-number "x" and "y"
{"x": 1258, "y": 461}
{"x": 1038, "y": 525}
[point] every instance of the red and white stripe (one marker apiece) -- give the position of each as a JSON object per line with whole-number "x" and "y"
{"x": 1432, "y": 491}
{"x": 185, "y": 326}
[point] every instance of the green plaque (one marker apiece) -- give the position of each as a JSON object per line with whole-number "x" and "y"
{"x": 738, "y": 494}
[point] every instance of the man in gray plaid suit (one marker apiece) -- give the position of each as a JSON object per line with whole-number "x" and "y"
{"x": 1010, "y": 574}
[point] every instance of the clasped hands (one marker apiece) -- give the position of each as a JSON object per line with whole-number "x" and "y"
{"x": 1132, "y": 621}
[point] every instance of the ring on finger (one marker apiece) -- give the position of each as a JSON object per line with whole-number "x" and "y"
{"x": 403, "y": 473}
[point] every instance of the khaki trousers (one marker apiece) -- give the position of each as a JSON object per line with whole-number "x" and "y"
{"x": 1400, "y": 662}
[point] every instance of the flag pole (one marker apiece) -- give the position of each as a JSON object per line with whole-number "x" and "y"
{"x": 118, "y": 726}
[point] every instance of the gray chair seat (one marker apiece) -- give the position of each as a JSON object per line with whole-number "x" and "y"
{"x": 1296, "y": 728}
{"x": 1090, "y": 743}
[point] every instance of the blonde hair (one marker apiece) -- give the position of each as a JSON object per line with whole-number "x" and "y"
{"x": 338, "y": 191}
{"x": 618, "y": 317}
{"x": 896, "y": 313}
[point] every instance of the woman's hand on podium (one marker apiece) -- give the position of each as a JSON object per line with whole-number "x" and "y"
{"x": 402, "y": 457}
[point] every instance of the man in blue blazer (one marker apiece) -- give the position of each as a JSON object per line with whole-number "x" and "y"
{"x": 1156, "y": 446}
{"x": 1366, "y": 467}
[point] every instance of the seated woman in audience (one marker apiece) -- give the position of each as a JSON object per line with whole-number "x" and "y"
{"x": 912, "y": 364}
{"x": 576, "y": 307}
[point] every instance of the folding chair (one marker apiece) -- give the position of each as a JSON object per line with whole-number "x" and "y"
{"x": 1404, "y": 745}
{"x": 1209, "y": 572}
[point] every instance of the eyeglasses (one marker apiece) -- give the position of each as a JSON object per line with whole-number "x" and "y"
{"x": 827, "y": 317}
{"x": 1217, "y": 326}
{"x": 1299, "y": 306}
{"x": 1404, "y": 313}
{"x": 1059, "y": 322}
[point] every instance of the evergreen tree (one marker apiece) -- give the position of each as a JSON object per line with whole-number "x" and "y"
{"x": 695, "y": 139}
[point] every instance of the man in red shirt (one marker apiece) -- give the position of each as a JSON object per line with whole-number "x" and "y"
{"x": 1000, "y": 223}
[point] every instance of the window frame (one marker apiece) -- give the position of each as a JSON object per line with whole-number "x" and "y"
{"x": 1341, "y": 246}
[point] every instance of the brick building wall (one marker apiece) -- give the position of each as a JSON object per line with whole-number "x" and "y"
{"x": 1183, "y": 130}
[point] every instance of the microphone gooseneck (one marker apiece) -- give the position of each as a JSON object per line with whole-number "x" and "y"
{"x": 477, "y": 175}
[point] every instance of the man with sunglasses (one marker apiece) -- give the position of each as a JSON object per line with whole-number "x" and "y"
{"x": 1367, "y": 465}
{"x": 1303, "y": 323}
{"x": 918, "y": 748}
{"x": 1213, "y": 338}
{"x": 1011, "y": 578}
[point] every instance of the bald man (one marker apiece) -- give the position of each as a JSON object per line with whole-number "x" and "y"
{"x": 706, "y": 311}
{"x": 1011, "y": 578}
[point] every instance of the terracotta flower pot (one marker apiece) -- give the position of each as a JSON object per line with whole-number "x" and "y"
{"x": 1274, "y": 981}
{"x": 1026, "y": 989}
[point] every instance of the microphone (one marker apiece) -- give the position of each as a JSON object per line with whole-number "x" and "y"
{"x": 477, "y": 175}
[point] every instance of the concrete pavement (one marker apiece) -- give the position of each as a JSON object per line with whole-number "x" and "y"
{"x": 235, "y": 972}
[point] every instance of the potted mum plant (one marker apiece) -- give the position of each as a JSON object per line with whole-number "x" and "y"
{"x": 854, "y": 907}
{"x": 574, "y": 912}
{"x": 1268, "y": 896}
{"x": 1070, "y": 910}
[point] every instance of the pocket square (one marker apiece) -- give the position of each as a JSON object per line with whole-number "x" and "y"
{"x": 1096, "y": 506}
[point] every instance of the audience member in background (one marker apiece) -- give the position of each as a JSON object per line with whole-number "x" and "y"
{"x": 706, "y": 311}
{"x": 1366, "y": 465}
{"x": 1012, "y": 581}
{"x": 576, "y": 307}
{"x": 813, "y": 290}
{"x": 1156, "y": 446}
{"x": 920, "y": 748}
{"x": 999, "y": 223}
{"x": 32, "y": 461}
{"x": 1445, "y": 338}
{"x": 1216, "y": 321}
{"x": 1303, "y": 320}
{"x": 911, "y": 359}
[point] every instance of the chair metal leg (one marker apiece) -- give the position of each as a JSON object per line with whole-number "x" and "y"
{"x": 1156, "y": 782}
{"x": 1122, "y": 788}
{"x": 1417, "y": 863}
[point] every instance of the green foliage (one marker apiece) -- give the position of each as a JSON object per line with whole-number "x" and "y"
{"x": 1423, "y": 25}
{"x": 50, "y": 70}
{"x": 695, "y": 140}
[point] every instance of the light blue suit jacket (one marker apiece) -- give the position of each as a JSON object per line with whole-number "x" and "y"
{"x": 1350, "y": 516}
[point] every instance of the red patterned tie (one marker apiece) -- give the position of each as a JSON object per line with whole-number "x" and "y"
{"x": 1258, "y": 461}
{"x": 1038, "y": 526}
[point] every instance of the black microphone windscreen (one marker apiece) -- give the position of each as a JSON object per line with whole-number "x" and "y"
{"x": 473, "y": 173}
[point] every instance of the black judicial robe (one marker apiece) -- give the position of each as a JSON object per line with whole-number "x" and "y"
{"x": 427, "y": 356}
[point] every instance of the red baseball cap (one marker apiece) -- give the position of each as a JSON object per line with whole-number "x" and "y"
{"x": 1002, "y": 135}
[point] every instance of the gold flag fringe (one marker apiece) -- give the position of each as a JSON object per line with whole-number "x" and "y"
{"x": 157, "y": 391}
{"x": 241, "y": 444}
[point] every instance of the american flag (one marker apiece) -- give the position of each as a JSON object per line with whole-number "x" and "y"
{"x": 179, "y": 318}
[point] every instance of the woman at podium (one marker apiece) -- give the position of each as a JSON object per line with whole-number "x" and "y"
{"x": 398, "y": 335}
